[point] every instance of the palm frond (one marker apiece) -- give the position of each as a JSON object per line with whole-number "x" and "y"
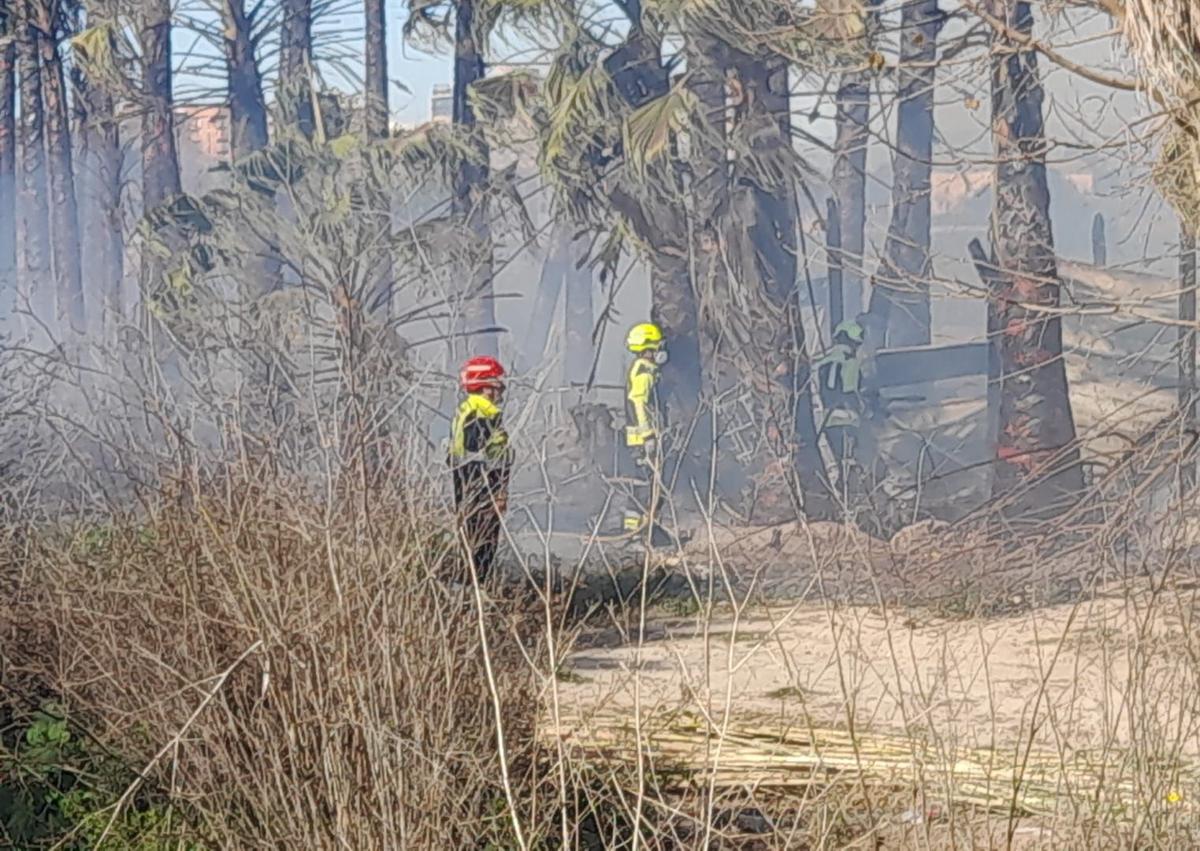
{"x": 503, "y": 97}
{"x": 1161, "y": 34}
{"x": 647, "y": 131}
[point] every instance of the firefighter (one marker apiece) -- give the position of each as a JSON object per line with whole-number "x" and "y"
{"x": 481, "y": 461}
{"x": 843, "y": 395}
{"x": 643, "y": 431}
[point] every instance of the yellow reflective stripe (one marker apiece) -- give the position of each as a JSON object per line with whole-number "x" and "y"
{"x": 639, "y": 390}
{"x": 475, "y": 406}
{"x": 839, "y": 417}
{"x": 640, "y": 387}
{"x": 850, "y": 373}
{"x": 846, "y": 368}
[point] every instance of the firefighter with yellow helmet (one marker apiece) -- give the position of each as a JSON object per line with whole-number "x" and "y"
{"x": 645, "y": 421}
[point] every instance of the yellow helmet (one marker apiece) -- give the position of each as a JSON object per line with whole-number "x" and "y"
{"x": 645, "y": 337}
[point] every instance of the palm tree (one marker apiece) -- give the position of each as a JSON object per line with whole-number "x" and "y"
{"x": 469, "y": 182}
{"x": 900, "y": 298}
{"x": 851, "y": 143}
{"x": 160, "y": 161}
{"x": 1156, "y": 31}
{"x": 8, "y": 163}
{"x": 102, "y": 156}
{"x": 34, "y": 233}
{"x": 1037, "y": 466}
{"x": 64, "y": 211}
{"x": 247, "y": 106}
{"x": 375, "y": 70}
{"x": 101, "y": 160}
{"x": 295, "y": 64}
{"x": 767, "y": 244}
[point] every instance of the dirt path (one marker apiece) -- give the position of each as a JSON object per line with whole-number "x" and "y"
{"x": 1112, "y": 680}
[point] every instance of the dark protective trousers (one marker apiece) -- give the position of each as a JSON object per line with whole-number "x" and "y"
{"x": 478, "y": 519}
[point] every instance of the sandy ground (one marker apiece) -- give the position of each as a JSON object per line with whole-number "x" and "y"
{"x": 1115, "y": 677}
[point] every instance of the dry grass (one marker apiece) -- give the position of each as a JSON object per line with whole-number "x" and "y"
{"x": 296, "y": 679}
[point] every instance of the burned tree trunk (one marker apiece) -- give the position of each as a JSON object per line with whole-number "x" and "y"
{"x": 1037, "y": 472}
{"x": 247, "y": 106}
{"x": 375, "y": 71}
{"x": 376, "y": 116}
{"x": 8, "y": 168}
{"x": 900, "y": 297}
{"x": 853, "y": 114}
{"x": 707, "y": 60}
{"x": 765, "y": 255}
{"x": 34, "y": 232}
{"x": 673, "y": 308}
{"x": 160, "y": 161}
{"x": 469, "y": 189}
{"x": 248, "y": 126}
{"x": 295, "y": 65}
{"x": 64, "y": 210}
{"x": 102, "y": 244}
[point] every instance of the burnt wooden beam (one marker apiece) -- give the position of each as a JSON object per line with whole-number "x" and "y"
{"x": 921, "y": 364}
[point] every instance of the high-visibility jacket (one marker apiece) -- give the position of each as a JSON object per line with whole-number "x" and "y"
{"x": 839, "y": 374}
{"x": 641, "y": 386}
{"x": 479, "y": 455}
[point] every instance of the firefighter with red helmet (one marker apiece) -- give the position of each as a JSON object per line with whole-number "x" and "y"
{"x": 480, "y": 460}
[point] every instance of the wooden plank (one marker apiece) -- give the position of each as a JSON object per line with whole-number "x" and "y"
{"x": 920, "y": 364}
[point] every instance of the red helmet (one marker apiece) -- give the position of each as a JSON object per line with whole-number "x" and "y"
{"x": 480, "y": 372}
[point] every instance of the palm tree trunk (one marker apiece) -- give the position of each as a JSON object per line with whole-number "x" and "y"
{"x": 64, "y": 219}
{"x": 900, "y": 297}
{"x": 101, "y": 221}
{"x": 295, "y": 64}
{"x": 851, "y": 142}
{"x": 34, "y": 232}
{"x": 160, "y": 161}
{"x": 247, "y": 106}
{"x": 376, "y": 121}
{"x": 8, "y": 174}
{"x": 1038, "y": 463}
{"x": 469, "y": 204}
{"x": 248, "y": 120}
{"x": 772, "y": 260}
{"x": 375, "y": 70}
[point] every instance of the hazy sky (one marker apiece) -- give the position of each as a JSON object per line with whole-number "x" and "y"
{"x": 415, "y": 69}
